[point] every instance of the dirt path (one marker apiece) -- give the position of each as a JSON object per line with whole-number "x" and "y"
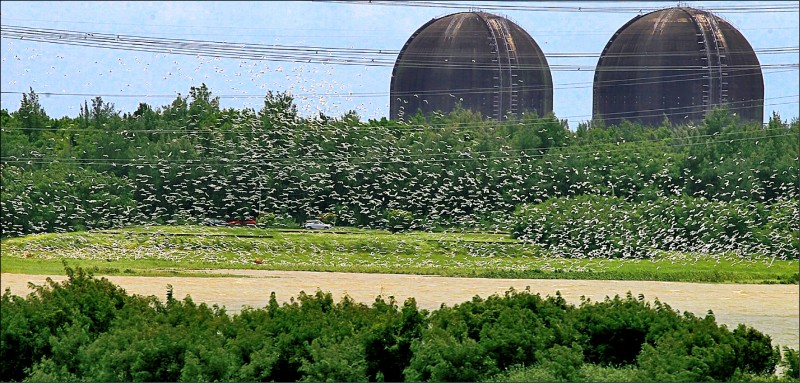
{"x": 772, "y": 309}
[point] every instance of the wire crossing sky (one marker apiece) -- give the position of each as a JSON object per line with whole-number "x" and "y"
{"x": 333, "y": 57}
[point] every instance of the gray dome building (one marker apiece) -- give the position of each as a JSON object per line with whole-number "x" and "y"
{"x": 483, "y": 61}
{"x": 679, "y": 63}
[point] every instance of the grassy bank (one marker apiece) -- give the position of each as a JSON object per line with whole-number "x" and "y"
{"x": 180, "y": 250}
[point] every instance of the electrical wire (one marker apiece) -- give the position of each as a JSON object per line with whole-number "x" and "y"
{"x": 314, "y": 54}
{"x": 772, "y": 8}
{"x": 431, "y": 92}
{"x": 350, "y": 56}
{"x": 41, "y": 34}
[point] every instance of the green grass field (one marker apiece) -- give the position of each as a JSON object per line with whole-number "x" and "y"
{"x": 183, "y": 250}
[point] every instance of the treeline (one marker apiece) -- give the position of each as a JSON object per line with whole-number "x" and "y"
{"x": 192, "y": 159}
{"x": 88, "y": 329}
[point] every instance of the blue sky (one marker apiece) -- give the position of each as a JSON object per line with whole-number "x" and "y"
{"x": 129, "y": 77}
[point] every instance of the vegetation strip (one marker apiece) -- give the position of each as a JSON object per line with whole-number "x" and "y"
{"x": 88, "y": 329}
{"x": 191, "y": 234}
{"x": 475, "y": 241}
{"x": 376, "y": 251}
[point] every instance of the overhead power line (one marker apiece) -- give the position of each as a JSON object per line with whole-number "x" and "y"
{"x": 56, "y": 35}
{"x": 301, "y": 53}
{"x": 624, "y": 8}
{"x": 421, "y": 93}
{"x": 173, "y": 30}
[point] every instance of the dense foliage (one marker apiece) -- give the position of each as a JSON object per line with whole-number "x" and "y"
{"x": 91, "y": 330}
{"x": 191, "y": 159}
{"x": 601, "y": 226}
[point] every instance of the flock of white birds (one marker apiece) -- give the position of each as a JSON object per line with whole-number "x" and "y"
{"x": 449, "y": 175}
{"x": 356, "y": 169}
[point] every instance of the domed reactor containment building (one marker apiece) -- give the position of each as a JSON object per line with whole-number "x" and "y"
{"x": 484, "y": 62}
{"x": 679, "y": 63}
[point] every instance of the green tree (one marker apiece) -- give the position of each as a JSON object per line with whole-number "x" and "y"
{"x": 31, "y": 115}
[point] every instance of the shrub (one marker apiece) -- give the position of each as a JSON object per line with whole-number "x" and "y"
{"x": 267, "y": 219}
{"x": 791, "y": 364}
{"x": 388, "y": 342}
{"x": 587, "y": 373}
{"x": 754, "y": 351}
{"x": 335, "y": 360}
{"x": 276, "y": 220}
{"x": 700, "y": 350}
{"x": 598, "y": 226}
{"x": 54, "y": 321}
{"x": 440, "y": 357}
{"x": 563, "y": 362}
{"x": 581, "y": 226}
{"x": 686, "y": 357}
{"x": 90, "y": 330}
{"x": 614, "y": 331}
{"x": 329, "y": 218}
{"x": 399, "y": 220}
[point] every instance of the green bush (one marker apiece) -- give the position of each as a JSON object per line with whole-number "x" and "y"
{"x": 335, "y": 360}
{"x": 563, "y": 362}
{"x": 754, "y": 351}
{"x": 276, "y": 220}
{"x": 791, "y": 364}
{"x": 54, "y": 322}
{"x": 700, "y": 350}
{"x": 88, "y": 329}
{"x": 329, "y": 218}
{"x": 597, "y": 226}
{"x": 613, "y": 332}
{"x": 684, "y": 356}
{"x": 580, "y": 226}
{"x": 387, "y": 343}
{"x": 399, "y": 220}
{"x": 587, "y": 373}
{"x": 62, "y": 199}
{"x": 441, "y": 357}
{"x": 267, "y": 219}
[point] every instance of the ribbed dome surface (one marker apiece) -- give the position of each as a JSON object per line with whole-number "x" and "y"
{"x": 678, "y": 63}
{"x": 483, "y": 61}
